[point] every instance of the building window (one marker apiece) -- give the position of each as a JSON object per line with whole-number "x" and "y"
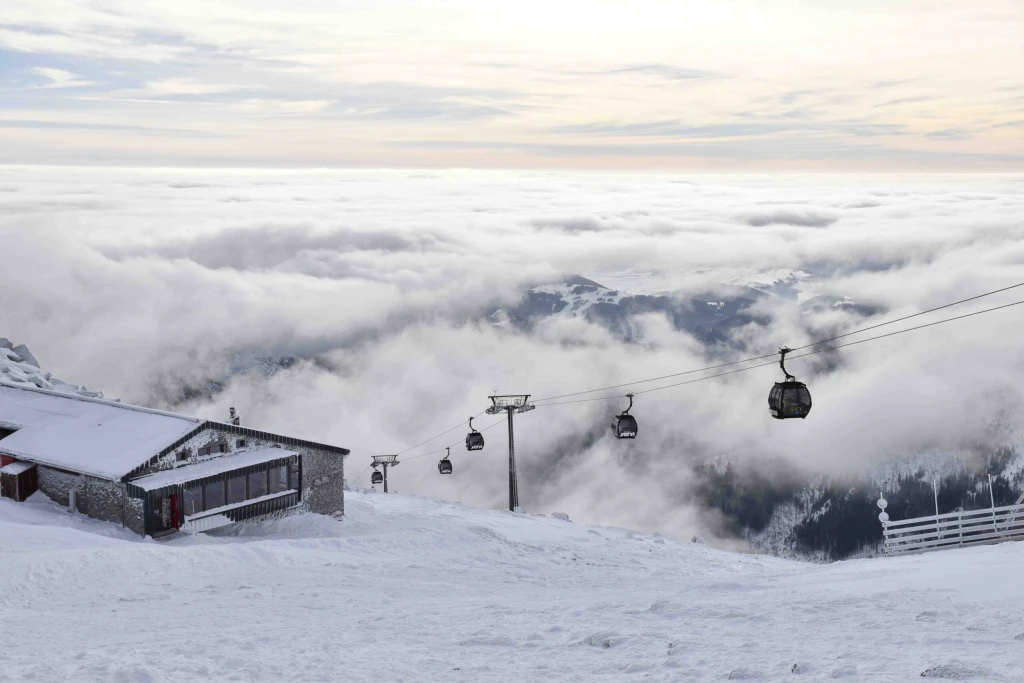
{"x": 182, "y": 455}
{"x": 193, "y": 501}
{"x": 204, "y": 451}
{"x": 293, "y": 475}
{"x": 240, "y": 443}
{"x": 279, "y": 479}
{"x": 236, "y": 489}
{"x": 214, "y": 495}
{"x": 257, "y": 484}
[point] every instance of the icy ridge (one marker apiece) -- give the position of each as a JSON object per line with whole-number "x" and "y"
{"x": 19, "y": 366}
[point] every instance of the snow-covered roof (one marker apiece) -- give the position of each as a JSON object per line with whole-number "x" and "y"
{"x": 224, "y": 463}
{"x": 16, "y": 467}
{"x": 87, "y": 435}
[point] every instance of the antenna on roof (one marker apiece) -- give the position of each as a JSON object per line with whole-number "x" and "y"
{"x": 234, "y": 418}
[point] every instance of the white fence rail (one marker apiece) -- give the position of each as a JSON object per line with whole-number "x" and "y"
{"x": 954, "y": 530}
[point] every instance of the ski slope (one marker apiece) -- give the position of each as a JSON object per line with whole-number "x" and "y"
{"x": 411, "y": 589}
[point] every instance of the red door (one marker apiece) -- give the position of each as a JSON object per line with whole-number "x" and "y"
{"x": 174, "y": 512}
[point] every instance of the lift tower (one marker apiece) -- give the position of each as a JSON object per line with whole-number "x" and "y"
{"x": 511, "y": 404}
{"x": 387, "y": 461}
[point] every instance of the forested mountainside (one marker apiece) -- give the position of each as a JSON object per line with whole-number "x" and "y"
{"x": 833, "y": 518}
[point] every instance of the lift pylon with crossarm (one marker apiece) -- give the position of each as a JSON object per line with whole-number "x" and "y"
{"x": 385, "y": 461}
{"x": 511, "y": 404}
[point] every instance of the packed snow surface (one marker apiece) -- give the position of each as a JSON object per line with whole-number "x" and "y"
{"x": 410, "y": 589}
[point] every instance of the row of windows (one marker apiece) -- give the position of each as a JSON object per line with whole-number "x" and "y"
{"x": 210, "y": 449}
{"x": 241, "y": 488}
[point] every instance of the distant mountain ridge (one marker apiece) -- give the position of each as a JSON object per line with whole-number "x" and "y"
{"x": 710, "y": 316}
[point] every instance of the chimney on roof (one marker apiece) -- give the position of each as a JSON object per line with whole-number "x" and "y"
{"x": 236, "y": 419}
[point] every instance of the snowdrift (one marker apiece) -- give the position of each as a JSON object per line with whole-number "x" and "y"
{"x": 412, "y": 589}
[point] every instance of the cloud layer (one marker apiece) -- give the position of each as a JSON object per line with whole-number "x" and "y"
{"x": 138, "y": 283}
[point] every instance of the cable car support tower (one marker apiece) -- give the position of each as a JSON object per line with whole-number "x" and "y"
{"x": 511, "y": 404}
{"x": 386, "y": 461}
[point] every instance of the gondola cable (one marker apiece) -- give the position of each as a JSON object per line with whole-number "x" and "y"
{"x": 447, "y": 431}
{"x": 773, "y": 355}
{"x": 453, "y": 445}
{"x": 803, "y": 355}
{"x": 745, "y": 360}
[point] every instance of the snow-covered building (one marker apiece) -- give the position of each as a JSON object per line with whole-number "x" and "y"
{"x": 157, "y": 472}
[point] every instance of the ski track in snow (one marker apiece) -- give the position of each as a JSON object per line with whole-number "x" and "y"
{"x": 411, "y": 589}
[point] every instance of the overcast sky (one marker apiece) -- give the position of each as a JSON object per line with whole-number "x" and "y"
{"x": 603, "y": 84}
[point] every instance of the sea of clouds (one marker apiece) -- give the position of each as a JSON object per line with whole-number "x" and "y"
{"x": 140, "y": 282}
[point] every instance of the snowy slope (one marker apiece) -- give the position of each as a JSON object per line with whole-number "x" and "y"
{"x": 417, "y": 590}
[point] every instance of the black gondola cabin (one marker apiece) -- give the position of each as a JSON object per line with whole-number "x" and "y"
{"x": 789, "y": 399}
{"x": 474, "y": 440}
{"x": 625, "y": 426}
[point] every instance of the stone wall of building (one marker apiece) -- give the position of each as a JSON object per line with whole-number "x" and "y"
{"x": 57, "y": 483}
{"x": 134, "y": 515}
{"x": 323, "y": 472}
{"x": 323, "y": 481}
{"x": 99, "y": 498}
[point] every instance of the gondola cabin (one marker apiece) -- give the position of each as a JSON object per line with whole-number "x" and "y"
{"x": 625, "y": 427}
{"x": 445, "y": 466}
{"x": 474, "y": 440}
{"x": 789, "y": 399}
{"x": 376, "y": 478}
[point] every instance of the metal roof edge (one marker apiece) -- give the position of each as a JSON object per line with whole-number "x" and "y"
{"x": 63, "y": 467}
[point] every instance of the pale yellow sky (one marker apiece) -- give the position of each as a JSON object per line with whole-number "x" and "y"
{"x": 604, "y": 84}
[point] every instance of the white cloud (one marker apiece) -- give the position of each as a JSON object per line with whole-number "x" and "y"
{"x": 184, "y": 86}
{"x": 265, "y": 106}
{"x": 133, "y": 282}
{"x": 59, "y": 78}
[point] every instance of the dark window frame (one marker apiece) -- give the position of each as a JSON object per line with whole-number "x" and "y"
{"x": 244, "y": 488}
{"x": 185, "y": 501}
{"x": 251, "y": 494}
{"x": 283, "y": 482}
{"x": 222, "y": 483}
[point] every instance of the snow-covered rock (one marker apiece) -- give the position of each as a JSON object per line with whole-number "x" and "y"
{"x": 19, "y": 366}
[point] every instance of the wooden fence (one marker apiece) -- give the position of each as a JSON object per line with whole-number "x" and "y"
{"x": 954, "y": 530}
